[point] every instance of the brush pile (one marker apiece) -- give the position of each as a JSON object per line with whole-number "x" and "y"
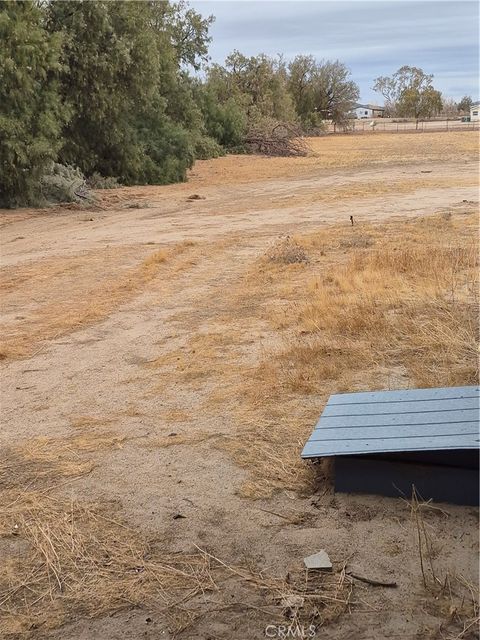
{"x": 286, "y": 250}
{"x": 276, "y": 140}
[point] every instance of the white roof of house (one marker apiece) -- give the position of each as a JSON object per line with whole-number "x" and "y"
{"x": 369, "y": 106}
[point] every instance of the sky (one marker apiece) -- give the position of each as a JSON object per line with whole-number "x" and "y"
{"x": 372, "y": 38}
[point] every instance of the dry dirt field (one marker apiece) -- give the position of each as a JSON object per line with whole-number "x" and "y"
{"x": 166, "y": 353}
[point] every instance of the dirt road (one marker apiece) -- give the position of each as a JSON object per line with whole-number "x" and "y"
{"x": 129, "y": 322}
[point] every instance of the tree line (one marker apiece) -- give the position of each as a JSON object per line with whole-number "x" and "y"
{"x": 113, "y": 91}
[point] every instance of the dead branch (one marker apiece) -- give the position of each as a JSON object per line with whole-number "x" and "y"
{"x": 375, "y": 583}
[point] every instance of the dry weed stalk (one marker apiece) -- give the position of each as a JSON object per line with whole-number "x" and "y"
{"x": 451, "y": 596}
{"x": 317, "y": 597}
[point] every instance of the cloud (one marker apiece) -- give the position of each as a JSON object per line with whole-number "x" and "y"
{"x": 372, "y": 37}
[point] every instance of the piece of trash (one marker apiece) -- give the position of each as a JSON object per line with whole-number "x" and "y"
{"x": 195, "y": 196}
{"x": 318, "y": 560}
{"x": 170, "y": 435}
{"x": 15, "y": 530}
{"x": 178, "y": 515}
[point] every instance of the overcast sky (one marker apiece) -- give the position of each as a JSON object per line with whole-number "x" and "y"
{"x": 373, "y": 38}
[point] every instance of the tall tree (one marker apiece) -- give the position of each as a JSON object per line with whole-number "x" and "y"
{"x": 464, "y": 105}
{"x": 187, "y": 30}
{"x": 110, "y": 66}
{"x": 409, "y": 93}
{"x": 131, "y": 102}
{"x": 257, "y": 82}
{"x": 31, "y": 112}
{"x": 321, "y": 90}
{"x": 301, "y": 85}
{"x": 335, "y": 93}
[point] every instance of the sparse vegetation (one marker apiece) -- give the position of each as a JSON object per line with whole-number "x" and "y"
{"x": 387, "y": 314}
{"x": 286, "y": 251}
{"x": 65, "y": 184}
{"x": 80, "y": 305}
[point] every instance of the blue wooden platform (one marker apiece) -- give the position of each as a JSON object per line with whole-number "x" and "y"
{"x": 372, "y": 435}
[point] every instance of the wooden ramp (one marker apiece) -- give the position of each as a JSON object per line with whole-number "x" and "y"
{"x": 386, "y": 441}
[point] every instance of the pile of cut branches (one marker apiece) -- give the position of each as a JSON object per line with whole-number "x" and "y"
{"x": 280, "y": 139}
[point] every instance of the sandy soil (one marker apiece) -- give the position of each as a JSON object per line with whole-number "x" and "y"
{"x": 97, "y": 332}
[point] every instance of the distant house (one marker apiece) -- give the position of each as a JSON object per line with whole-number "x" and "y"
{"x": 474, "y": 112}
{"x": 368, "y": 111}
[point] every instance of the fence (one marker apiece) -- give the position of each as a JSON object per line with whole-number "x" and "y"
{"x": 366, "y": 126}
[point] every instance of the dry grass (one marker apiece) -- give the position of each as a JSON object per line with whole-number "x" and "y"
{"x": 255, "y": 353}
{"x": 376, "y": 306}
{"x": 63, "y": 559}
{"x": 174, "y": 439}
{"x": 408, "y": 305}
{"x": 386, "y": 306}
{"x": 62, "y": 294}
{"x": 339, "y": 151}
{"x": 286, "y": 251}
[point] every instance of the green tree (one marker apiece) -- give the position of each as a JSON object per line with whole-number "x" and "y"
{"x": 409, "y": 93}
{"x": 109, "y": 57}
{"x": 31, "y": 112}
{"x": 186, "y": 30}
{"x": 258, "y": 83}
{"x": 301, "y": 85}
{"x": 321, "y": 90}
{"x": 226, "y": 122}
{"x": 133, "y": 112}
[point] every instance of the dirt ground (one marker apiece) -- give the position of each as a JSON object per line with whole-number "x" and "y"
{"x": 150, "y": 399}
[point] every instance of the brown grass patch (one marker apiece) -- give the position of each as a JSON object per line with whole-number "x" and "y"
{"x": 377, "y": 306}
{"x": 204, "y": 356}
{"x": 338, "y": 151}
{"x": 59, "y": 295}
{"x": 286, "y": 251}
{"x": 63, "y": 559}
{"x": 82, "y": 422}
{"x": 360, "y": 313}
{"x": 175, "y": 439}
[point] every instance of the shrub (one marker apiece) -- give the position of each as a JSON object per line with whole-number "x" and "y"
{"x": 97, "y": 181}
{"x": 206, "y": 147}
{"x": 286, "y": 251}
{"x": 64, "y": 183}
